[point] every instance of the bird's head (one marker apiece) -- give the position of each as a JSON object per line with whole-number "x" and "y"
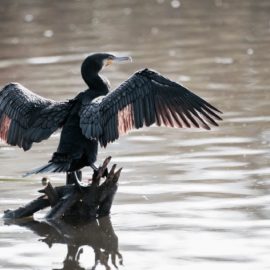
{"x": 95, "y": 62}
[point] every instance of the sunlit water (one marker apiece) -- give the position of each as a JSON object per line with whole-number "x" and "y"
{"x": 187, "y": 199}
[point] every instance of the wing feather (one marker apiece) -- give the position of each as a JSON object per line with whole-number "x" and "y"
{"x": 145, "y": 99}
{"x": 26, "y": 117}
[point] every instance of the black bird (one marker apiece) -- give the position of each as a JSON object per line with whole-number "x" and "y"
{"x": 97, "y": 115}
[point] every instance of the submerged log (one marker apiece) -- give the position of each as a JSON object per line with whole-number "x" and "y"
{"x": 76, "y": 199}
{"x": 28, "y": 209}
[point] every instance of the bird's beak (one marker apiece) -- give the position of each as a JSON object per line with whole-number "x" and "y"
{"x": 118, "y": 59}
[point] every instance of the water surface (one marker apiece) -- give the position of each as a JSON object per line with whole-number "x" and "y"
{"x": 187, "y": 199}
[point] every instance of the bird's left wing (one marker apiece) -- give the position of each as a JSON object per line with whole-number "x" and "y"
{"x": 144, "y": 99}
{"x": 26, "y": 117}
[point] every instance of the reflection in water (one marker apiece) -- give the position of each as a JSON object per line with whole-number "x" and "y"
{"x": 98, "y": 234}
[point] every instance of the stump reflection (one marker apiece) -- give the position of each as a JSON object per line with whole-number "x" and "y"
{"x": 97, "y": 234}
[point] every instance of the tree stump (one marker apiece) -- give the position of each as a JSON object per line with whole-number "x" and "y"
{"x": 76, "y": 199}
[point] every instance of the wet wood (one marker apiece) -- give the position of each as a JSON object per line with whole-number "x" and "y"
{"x": 28, "y": 209}
{"x": 51, "y": 194}
{"x": 63, "y": 205}
{"x": 75, "y": 199}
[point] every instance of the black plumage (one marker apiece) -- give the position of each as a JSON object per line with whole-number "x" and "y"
{"x": 97, "y": 115}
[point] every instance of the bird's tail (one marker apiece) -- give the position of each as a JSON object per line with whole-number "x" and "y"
{"x": 51, "y": 167}
{"x": 58, "y": 163}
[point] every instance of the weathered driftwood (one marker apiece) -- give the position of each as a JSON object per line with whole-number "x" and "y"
{"x": 75, "y": 199}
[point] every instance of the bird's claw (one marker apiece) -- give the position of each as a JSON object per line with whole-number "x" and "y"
{"x": 102, "y": 171}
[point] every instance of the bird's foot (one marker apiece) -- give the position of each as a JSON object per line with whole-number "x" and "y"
{"x": 79, "y": 182}
{"x": 102, "y": 171}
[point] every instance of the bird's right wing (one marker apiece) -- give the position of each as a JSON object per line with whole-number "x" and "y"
{"x": 26, "y": 117}
{"x": 144, "y": 99}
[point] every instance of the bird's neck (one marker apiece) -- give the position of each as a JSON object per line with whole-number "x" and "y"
{"x": 97, "y": 83}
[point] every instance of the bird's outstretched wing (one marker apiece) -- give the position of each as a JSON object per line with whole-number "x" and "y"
{"x": 26, "y": 117}
{"x": 144, "y": 99}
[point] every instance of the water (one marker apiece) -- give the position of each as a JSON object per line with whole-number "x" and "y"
{"x": 187, "y": 199}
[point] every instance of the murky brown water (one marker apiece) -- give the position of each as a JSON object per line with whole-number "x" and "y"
{"x": 187, "y": 199}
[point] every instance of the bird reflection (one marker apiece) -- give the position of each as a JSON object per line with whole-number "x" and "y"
{"x": 98, "y": 234}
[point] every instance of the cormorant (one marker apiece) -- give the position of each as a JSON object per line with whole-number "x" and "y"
{"x": 97, "y": 115}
